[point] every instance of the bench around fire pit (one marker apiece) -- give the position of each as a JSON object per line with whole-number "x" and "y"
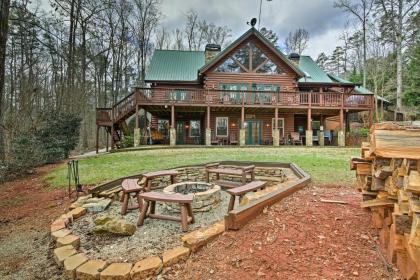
{"x": 240, "y": 171}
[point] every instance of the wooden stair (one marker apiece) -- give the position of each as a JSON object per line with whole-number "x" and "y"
{"x": 114, "y": 119}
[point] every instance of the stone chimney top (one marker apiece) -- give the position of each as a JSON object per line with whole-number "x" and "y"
{"x": 211, "y": 51}
{"x": 294, "y": 57}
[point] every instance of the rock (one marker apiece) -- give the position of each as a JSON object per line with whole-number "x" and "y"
{"x": 73, "y": 262}
{"x": 117, "y": 271}
{"x": 90, "y": 270}
{"x": 198, "y": 238}
{"x": 80, "y": 201}
{"x": 62, "y": 253}
{"x": 175, "y": 255}
{"x": 68, "y": 240}
{"x": 58, "y": 225}
{"x": 146, "y": 268}
{"x": 77, "y": 212}
{"x": 95, "y": 205}
{"x": 113, "y": 225}
{"x": 60, "y": 233}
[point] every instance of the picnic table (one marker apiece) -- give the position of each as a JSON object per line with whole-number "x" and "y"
{"x": 240, "y": 171}
{"x": 152, "y": 175}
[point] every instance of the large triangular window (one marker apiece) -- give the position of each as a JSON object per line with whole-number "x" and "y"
{"x": 249, "y": 59}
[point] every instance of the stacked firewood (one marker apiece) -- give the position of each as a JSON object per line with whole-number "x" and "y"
{"x": 388, "y": 176}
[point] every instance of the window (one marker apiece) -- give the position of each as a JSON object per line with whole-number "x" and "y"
{"x": 222, "y": 126}
{"x": 280, "y": 125}
{"x": 195, "y": 128}
{"x": 232, "y": 96}
{"x": 178, "y": 95}
{"x": 163, "y": 127}
{"x": 249, "y": 58}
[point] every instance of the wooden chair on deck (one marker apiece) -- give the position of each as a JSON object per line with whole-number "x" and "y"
{"x": 233, "y": 139}
{"x": 296, "y": 139}
{"x": 214, "y": 140}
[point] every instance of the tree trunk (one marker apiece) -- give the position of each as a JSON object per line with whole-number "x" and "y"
{"x": 4, "y": 29}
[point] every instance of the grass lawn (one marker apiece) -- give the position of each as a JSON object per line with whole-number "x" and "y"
{"x": 326, "y": 165}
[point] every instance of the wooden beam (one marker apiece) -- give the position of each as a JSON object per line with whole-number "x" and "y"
{"x": 276, "y": 118}
{"x": 309, "y": 125}
{"x": 172, "y": 116}
{"x": 97, "y": 139}
{"x": 242, "y": 117}
{"x": 137, "y": 116}
{"x": 341, "y": 119}
{"x": 208, "y": 118}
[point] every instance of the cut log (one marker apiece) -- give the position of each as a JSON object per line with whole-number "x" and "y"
{"x": 377, "y": 203}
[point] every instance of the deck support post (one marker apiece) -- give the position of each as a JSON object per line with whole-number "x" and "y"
{"x": 242, "y": 128}
{"x": 309, "y": 135}
{"x": 208, "y": 129}
{"x": 321, "y": 136}
{"x": 137, "y": 129}
{"x": 112, "y": 137}
{"x": 341, "y": 131}
{"x": 172, "y": 130}
{"x": 275, "y": 129}
{"x": 97, "y": 138}
{"x": 106, "y": 141}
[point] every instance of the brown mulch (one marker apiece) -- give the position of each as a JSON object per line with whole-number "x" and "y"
{"x": 28, "y": 206}
{"x": 298, "y": 238}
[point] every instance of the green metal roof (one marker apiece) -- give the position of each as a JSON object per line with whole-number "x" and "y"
{"x": 313, "y": 73}
{"x": 173, "y": 65}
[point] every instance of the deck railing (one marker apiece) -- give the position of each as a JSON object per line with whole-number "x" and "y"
{"x": 170, "y": 96}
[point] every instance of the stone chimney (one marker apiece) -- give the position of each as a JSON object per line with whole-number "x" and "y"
{"x": 294, "y": 57}
{"x": 211, "y": 51}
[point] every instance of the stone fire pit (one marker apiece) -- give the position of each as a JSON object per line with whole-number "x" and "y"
{"x": 206, "y": 195}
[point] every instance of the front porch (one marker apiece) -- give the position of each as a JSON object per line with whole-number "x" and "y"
{"x": 241, "y": 126}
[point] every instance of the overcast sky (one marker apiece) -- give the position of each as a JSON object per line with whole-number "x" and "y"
{"x": 323, "y": 22}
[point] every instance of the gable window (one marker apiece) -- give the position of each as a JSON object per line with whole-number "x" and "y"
{"x": 195, "y": 128}
{"x": 249, "y": 59}
{"x": 280, "y": 125}
{"x": 222, "y": 126}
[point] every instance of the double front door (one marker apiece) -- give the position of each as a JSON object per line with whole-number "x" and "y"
{"x": 253, "y": 132}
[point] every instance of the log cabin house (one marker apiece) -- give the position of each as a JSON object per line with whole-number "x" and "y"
{"x": 248, "y": 94}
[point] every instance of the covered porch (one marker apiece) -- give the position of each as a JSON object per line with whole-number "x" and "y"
{"x": 244, "y": 126}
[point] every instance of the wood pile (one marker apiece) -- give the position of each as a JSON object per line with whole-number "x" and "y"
{"x": 388, "y": 176}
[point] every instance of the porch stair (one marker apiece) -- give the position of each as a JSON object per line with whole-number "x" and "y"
{"x": 114, "y": 119}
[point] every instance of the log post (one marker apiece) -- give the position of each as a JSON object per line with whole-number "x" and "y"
{"x": 172, "y": 130}
{"x": 275, "y": 130}
{"x": 97, "y": 138}
{"x": 208, "y": 129}
{"x": 137, "y": 129}
{"x": 309, "y": 135}
{"x": 341, "y": 131}
{"x": 242, "y": 130}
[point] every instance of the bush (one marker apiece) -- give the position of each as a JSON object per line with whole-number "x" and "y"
{"x": 52, "y": 142}
{"x": 127, "y": 141}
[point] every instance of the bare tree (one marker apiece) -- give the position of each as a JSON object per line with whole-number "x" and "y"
{"x": 4, "y": 28}
{"x": 360, "y": 9}
{"x": 178, "y": 40}
{"x": 396, "y": 23}
{"x": 191, "y": 30}
{"x": 297, "y": 41}
{"x": 163, "y": 39}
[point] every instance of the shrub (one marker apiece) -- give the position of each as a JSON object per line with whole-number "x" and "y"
{"x": 127, "y": 141}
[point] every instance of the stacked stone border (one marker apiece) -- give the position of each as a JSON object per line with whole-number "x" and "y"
{"x": 77, "y": 265}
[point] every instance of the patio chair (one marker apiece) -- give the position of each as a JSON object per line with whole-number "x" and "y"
{"x": 296, "y": 139}
{"x": 233, "y": 140}
{"x": 328, "y": 135}
{"x": 214, "y": 140}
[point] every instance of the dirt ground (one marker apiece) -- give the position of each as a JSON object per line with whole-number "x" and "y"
{"x": 298, "y": 238}
{"x": 27, "y": 208}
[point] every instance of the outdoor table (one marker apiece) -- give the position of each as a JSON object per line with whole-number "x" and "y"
{"x": 152, "y": 175}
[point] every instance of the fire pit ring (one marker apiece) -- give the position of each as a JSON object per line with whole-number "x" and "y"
{"x": 206, "y": 195}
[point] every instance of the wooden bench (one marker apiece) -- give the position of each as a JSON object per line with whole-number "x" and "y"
{"x": 130, "y": 187}
{"x": 242, "y": 190}
{"x": 150, "y": 199}
{"x": 152, "y": 175}
{"x": 240, "y": 171}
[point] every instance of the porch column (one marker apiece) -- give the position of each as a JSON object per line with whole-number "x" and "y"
{"x": 208, "y": 129}
{"x": 275, "y": 129}
{"x": 136, "y": 136}
{"x": 172, "y": 130}
{"x": 321, "y": 135}
{"x": 97, "y": 138}
{"x": 112, "y": 137}
{"x": 242, "y": 129}
{"x": 309, "y": 135}
{"x": 341, "y": 131}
